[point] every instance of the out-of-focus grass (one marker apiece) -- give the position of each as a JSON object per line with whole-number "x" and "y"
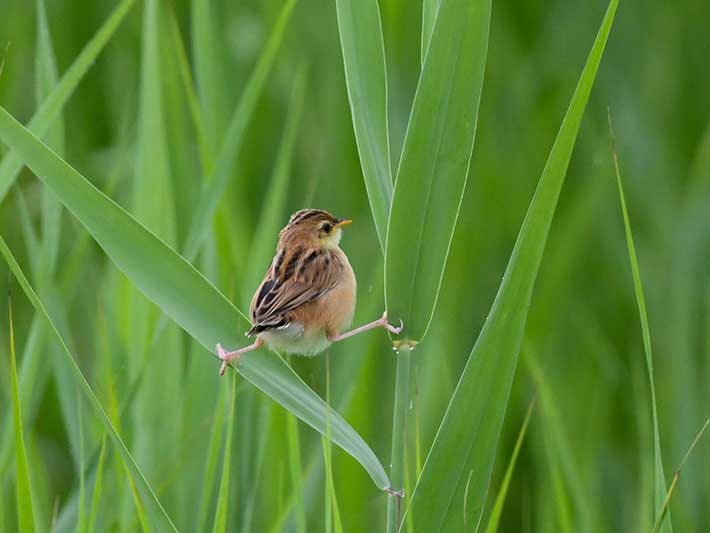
{"x": 590, "y": 443}
{"x": 659, "y": 478}
{"x": 25, "y": 500}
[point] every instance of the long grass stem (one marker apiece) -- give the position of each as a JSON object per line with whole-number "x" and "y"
{"x": 399, "y": 432}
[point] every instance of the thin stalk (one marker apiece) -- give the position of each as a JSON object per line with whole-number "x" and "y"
{"x": 397, "y": 463}
{"x": 294, "y": 456}
{"x": 667, "y": 500}
{"x": 97, "y": 487}
{"x": 333, "y": 521}
{"x": 25, "y": 502}
{"x": 222, "y": 511}
{"x": 81, "y": 513}
{"x": 659, "y": 477}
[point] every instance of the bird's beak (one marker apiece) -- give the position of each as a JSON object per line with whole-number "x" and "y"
{"x": 343, "y": 222}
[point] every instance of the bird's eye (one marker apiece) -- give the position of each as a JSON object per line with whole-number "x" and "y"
{"x": 327, "y": 227}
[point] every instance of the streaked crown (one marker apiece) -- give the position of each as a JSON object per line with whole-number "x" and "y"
{"x": 316, "y": 215}
{"x": 313, "y": 224}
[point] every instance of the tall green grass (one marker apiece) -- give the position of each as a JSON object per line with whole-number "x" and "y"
{"x": 659, "y": 478}
{"x": 25, "y": 505}
{"x": 165, "y": 144}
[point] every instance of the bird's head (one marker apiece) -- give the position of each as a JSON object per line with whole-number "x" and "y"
{"x": 316, "y": 227}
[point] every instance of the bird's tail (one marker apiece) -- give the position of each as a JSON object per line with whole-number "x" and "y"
{"x": 258, "y": 328}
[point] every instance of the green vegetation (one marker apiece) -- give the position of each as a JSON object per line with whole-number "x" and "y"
{"x": 151, "y": 150}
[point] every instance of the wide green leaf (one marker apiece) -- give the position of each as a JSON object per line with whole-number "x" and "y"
{"x": 434, "y": 165}
{"x": 466, "y": 441}
{"x": 365, "y": 75}
{"x": 47, "y": 114}
{"x": 184, "y": 294}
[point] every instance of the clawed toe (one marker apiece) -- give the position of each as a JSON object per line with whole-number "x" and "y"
{"x": 226, "y": 357}
{"x": 395, "y": 329}
{"x": 399, "y": 329}
{"x": 389, "y": 327}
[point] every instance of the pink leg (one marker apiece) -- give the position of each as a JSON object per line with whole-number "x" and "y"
{"x": 379, "y": 323}
{"x": 226, "y": 356}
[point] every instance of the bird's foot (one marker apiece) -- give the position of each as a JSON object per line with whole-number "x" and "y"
{"x": 226, "y": 357}
{"x": 389, "y": 327}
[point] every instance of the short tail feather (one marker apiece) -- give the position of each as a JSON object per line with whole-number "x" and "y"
{"x": 258, "y": 328}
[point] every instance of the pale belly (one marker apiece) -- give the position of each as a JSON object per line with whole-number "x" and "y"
{"x": 294, "y": 339}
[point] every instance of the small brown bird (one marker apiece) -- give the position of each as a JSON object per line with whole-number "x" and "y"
{"x": 308, "y": 294}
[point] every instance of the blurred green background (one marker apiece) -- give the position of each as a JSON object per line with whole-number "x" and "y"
{"x": 586, "y": 463}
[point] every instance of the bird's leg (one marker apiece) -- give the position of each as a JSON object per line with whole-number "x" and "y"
{"x": 379, "y": 323}
{"x": 226, "y": 356}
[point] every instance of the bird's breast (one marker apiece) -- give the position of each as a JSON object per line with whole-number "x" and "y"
{"x": 338, "y": 306}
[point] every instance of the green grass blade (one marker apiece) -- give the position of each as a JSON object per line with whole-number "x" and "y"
{"x": 659, "y": 480}
{"x": 256, "y": 452}
{"x": 233, "y": 138}
{"x": 665, "y": 508}
{"x": 46, "y": 75}
{"x": 497, "y": 511}
{"x": 560, "y": 449}
{"x": 33, "y": 377}
{"x": 560, "y": 496}
{"x": 430, "y": 8}
{"x": 43, "y": 265}
{"x": 27, "y": 229}
{"x": 208, "y": 57}
{"x": 81, "y": 512}
{"x": 333, "y": 521}
{"x": 46, "y": 115}
{"x": 210, "y": 468}
{"x": 33, "y": 374}
{"x": 25, "y": 504}
{"x": 47, "y": 79}
{"x": 158, "y": 515}
{"x": 294, "y": 462}
{"x": 189, "y": 86}
{"x": 468, "y": 435}
{"x": 434, "y": 165}
{"x": 152, "y": 193}
{"x": 3, "y": 525}
{"x": 221, "y": 514}
{"x": 153, "y": 205}
{"x": 272, "y": 217}
{"x": 98, "y": 484}
{"x": 166, "y": 278}
{"x": 366, "y": 78}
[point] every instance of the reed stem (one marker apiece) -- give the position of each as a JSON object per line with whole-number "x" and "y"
{"x": 399, "y": 432}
